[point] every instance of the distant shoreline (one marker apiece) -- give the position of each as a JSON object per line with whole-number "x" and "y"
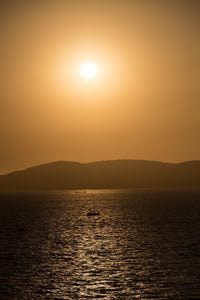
{"x": 111, "y": 190}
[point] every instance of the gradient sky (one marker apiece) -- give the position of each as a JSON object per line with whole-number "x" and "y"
{"x": 143, "y": 104}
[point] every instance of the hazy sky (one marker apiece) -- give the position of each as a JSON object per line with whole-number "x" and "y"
{"x": 144, "y": 102}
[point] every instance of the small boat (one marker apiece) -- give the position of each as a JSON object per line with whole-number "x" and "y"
{"x": 92, "y": 213}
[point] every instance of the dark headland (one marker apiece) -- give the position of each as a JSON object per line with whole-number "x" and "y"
{"x": 63, "y": 175}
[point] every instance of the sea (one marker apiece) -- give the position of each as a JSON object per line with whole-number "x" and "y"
{"x": 141, "y": 244}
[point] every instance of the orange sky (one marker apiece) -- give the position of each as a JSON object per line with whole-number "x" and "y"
{"x": 143, "y": 104}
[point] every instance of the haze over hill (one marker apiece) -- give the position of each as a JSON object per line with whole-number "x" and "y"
{"x": 143, "y": 102}
{"x": 104, "y": 174}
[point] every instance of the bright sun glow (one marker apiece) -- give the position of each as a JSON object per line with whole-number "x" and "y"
{"x": 88, "y": 70}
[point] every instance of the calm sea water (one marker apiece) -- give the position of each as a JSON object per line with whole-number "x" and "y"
{"x": 144, "y": 244}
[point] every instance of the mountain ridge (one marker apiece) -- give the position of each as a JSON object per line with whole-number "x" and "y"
{"x": 122, "y": 173}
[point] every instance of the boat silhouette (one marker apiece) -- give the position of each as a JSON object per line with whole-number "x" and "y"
{"x": 92, "y": 213}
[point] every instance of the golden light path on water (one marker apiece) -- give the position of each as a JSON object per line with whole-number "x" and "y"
{"x": 144, "y": 244}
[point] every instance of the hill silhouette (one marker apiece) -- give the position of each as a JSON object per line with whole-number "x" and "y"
{"x": 63, "y": 175}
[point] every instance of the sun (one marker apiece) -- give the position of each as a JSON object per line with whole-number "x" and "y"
{"x": 89, "y": 70}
